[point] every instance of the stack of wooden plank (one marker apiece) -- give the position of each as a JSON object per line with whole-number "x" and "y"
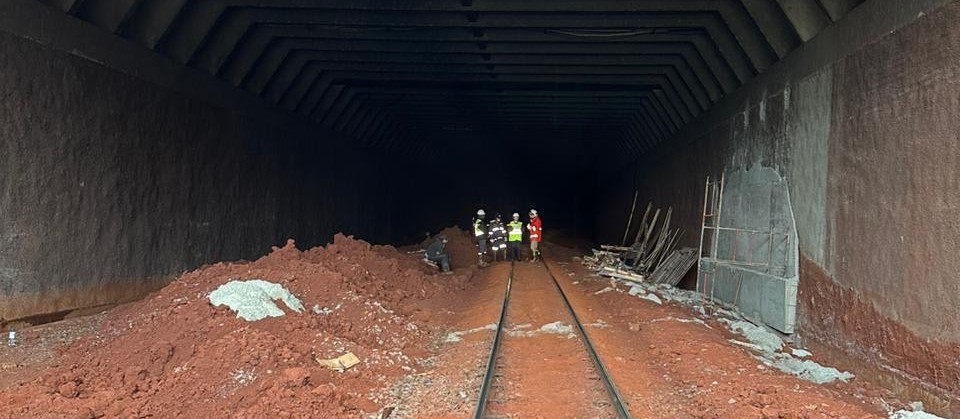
{"x": 653, "y": 241}
{"x": 675, "y": 266}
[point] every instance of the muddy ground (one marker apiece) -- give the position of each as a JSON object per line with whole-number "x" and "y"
{"x": 422, "y": 338}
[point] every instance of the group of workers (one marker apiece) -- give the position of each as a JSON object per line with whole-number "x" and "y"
{"x": 503, "y": 240}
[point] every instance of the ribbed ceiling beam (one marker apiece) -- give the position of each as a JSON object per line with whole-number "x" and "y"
{"x": 395, "y": 74}
{"x": 807, "y": 16}
{"x": 222, "y": 36}
{"x": 66, "y": 6}
{"x": 109, "y": 15}
{"x": 686, "y": 111}
{"x": 683, "y": 57}
{"x": 267, "y": 46}
{"x": 837, "y": 9}
{"x": 774, "y": 24}
{"x": 151, "y": 20}
{"x": 207, "y": 14}
{"x": 643, "y": 69}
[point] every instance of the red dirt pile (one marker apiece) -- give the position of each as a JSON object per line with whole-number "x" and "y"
{"x": 174, "y": 355}
{"x": 461, "y": 246}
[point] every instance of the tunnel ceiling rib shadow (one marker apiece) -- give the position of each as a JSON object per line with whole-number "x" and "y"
{"x": 401, "y": 74}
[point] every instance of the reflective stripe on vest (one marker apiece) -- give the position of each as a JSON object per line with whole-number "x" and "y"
{"x": 516, "y": 231}
{"x": 478, "y": 228}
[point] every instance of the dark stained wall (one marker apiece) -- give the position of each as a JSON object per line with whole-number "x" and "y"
{"x": 869, "y": 146}
{"x": 109, "y": 183}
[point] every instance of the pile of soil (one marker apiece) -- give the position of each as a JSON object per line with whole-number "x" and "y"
{"x": 174, "y": 355}
{"x": 461, "y": 246}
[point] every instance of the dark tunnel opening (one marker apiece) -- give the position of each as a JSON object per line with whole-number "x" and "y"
{"x": 144, "y": 139}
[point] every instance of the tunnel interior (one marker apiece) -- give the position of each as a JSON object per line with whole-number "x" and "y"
{"x": 144, "y": 138}
{"x": 514, "y": 104}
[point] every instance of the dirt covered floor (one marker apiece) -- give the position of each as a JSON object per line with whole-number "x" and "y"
{"x": 422, "y": 340}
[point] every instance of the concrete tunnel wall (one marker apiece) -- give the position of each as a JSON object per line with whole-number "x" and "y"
{"x": 862, "y": 122}
{"x": 148, "y": 169}
{"x": 96, "y": 208}
{"x": 109, "y": 183}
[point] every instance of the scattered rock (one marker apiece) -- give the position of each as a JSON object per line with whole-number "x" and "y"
{"x": 295, "y": 377}
{"x": 69, "y": 389}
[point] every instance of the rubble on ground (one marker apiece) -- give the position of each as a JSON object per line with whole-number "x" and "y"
{"x": 555, "y": 328}
{"x": 612, "y": 262}
{"x": 914, "y": 414}
{"x": 764, "y": 344}
{"x": 176, "y": 354}
{"x": 768, "y": 347}
{"x": 376, "y": 317}
{"x": 652, "y": 254}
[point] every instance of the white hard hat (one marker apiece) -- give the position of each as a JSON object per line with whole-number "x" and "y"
{"x": 533, "y": 212}
{"x": 515, "y": 215}
{"x": 481, "y": 213}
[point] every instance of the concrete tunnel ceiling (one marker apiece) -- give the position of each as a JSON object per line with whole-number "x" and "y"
{"x": 404, "y": 74}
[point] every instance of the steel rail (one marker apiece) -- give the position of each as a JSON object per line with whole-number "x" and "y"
{"x": 618, "y": 404}
{"x": 492, "y": 362}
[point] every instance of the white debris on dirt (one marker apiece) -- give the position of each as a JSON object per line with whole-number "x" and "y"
{"x": 605, "y": 290}
{"x": 254, "y": 300}
{"x": 905, "y": 414}
{"x": 675, "y": 319}
{"x": 755, "y": 348}
{"x": 768, "y": 346}
{"x": 599, "y": 324}
{"x": 456, "y": 336}
{"x": 639, "y": 290}
{"x": 325, "y": 310}
{"x": 915, "y": 412}
{"x": 652, "y": 297}
{"x": 763, "y": 338}
{"x": 556, "y": 328}
{"x": 806, "y": 369}
{"x": 243, "y": 377}
{"x": 688, "y": 298}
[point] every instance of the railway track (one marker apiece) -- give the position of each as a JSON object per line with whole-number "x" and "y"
{"x": 483, "y": 400}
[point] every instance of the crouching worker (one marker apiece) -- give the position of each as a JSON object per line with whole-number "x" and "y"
{"x": 437, "y": 253}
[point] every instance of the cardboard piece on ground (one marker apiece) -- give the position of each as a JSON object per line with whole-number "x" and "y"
{"x": 340, "y": 363}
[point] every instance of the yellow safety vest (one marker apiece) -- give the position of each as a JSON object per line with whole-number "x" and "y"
{"x": 515, "y": 231}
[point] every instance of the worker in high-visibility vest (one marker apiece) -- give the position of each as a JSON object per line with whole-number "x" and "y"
{"x": 514, "y": 237}
{"x": 480, "y": 233}
{"x": 536, "y": 234}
